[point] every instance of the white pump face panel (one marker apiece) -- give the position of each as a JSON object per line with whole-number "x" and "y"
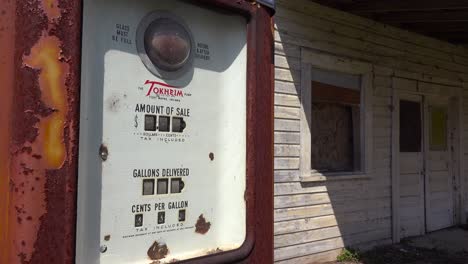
{"x": 162, "y": 166}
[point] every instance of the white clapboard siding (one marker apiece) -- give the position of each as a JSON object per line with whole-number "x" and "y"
{"x": 287, "y": 125}
{"x": 286, "y": 138}
{"x": 414, "y": 51}
{"x": 287, "y": 100}
{"x": 344, "y": 229}
{"x": 287, "y": 150}
{"x": 315, "y": 220}
{"x": 338, "y": 186}
{"x": 328, "y": 244}
{"x": 321, "y": 257}
{"x": 286, "y": 175}
{"x": 378, "y": 207}
{"x": 287, "y": 112}
{"x": 287, "y": 87}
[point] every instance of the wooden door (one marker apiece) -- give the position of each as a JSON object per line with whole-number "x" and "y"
{"x": 439, "y": 185}
{"x": 411, "y": 166}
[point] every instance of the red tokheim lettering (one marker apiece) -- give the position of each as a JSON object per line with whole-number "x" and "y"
{"x": 166, "y": 89}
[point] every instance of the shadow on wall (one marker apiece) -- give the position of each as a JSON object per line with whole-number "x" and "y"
{"x": 315, "y": 220}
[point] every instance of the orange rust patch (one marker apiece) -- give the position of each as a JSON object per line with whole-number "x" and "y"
{"x": 28, "y": 170}
{"x": 45, "y": 56}
{"x": 7, "y": 46}
{"x": 157, "y": 251}
{"x": 202, "y": 226}
{"x": 51, "y": 8}
{"x": 28, "y": 185}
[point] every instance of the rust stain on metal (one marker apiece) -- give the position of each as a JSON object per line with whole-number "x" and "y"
{"x": 107, "y": 237}
{"x": 211, "y": 156}
{"x": 214, "y": 251}
{"x": 202, "y": 226}
{"x": 51, "y": 8}
{"x": 42, "y": 148}
{"x": 157, "y": 251}
{"x": 47, "y": 142}
{"x": 7, "y": 44}
{"x": 45, "y": 56}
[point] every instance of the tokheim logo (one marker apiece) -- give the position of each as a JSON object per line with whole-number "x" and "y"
{"x": 162, "y": 89}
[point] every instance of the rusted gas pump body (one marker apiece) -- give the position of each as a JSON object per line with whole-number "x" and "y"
{"x": 40, "y": 119}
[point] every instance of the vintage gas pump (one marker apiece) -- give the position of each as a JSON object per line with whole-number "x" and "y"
{"x": 175, "y": 152}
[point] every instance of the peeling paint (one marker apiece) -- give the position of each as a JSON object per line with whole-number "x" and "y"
{"x": 48, "y": 143}
{"x": 157, "y": 251}
{"x": 45, "y": 56}
{"x": 51, "y": 7}
{"x": 202, "y": 226}
{"x": 44, "y": 120}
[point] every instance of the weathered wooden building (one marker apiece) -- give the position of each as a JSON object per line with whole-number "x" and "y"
{"x": 371, "y": 132}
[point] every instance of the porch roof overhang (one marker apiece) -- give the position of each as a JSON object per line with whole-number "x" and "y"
{"x": 441, "y": 19}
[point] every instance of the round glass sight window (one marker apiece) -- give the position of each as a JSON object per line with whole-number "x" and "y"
{"x": 165, "y": 44}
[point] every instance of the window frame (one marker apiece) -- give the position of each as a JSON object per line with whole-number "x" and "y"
{"x": 312, "y": 59}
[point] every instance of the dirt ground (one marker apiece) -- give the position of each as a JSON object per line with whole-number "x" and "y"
{"x": 443, "y": 247}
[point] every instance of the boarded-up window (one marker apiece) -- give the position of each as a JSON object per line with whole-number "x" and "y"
{"x": 335, "y": 122}
{"x": 438, "y": 129}
{"x": 410, "y": 126}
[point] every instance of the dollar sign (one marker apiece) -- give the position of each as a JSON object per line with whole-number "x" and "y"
{"x": 136, "y": 121}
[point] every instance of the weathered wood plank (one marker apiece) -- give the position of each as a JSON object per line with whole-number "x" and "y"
{"x": 328, "y": 244}
{"x": 287, "y": 125}
{"x": 402, "y": 68}
{"x": 287, "y": 87}
{"x": 286, "y": 163}
{"x": 308, "y": 248}
{"x": 294, "y": 225}
{"x": 302, "y": 212}
{"x": 287, "y": 150}
{"x": 286, "y": 138}
{"x": 287, "y": 112}
{"x": 306, "y": 236}
{"x": 287, "y": 49}
{"x": 322, "y": 257}
{"x": 382, "y": 70}
{"x": 301, "y": 200}
{"x": 366, "y": 25}
{"x": 287, "y": 75}
{"x": 382, "y": 91}
{"x": 338, "y": 198}
{"x": 384, "y": 81}
{"x": 390, "y": 55}
{"x": 304, "y": 224}
{"x": 287, "y": 100}
{"x": 286, "y": 176}
{"x": 287, "y": 62}
{"x": 351, "y": 209}
{"x": 332, "y": 186}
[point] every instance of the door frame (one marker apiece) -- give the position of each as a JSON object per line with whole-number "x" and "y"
{"x": 431, "y": 100}
{"x": 402, "y": 88}
{"x": 395, "y": 165}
